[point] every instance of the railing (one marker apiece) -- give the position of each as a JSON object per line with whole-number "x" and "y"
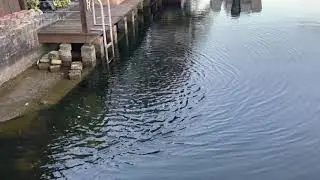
{"x": 91, "y": 5}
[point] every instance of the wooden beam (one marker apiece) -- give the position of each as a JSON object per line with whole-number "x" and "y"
{"x": 67, "y": 38}
{"x": 83, "y": 16}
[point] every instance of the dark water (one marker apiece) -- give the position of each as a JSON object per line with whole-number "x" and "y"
{"x": 206, "y": 94}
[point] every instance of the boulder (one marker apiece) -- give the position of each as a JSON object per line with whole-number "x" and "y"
{"x": 45, "y": 59}
{"x": 54, "y": 55}
{"x": 66, "y": 57}
{"x": 77, "y": 65}
{"x": 75, "y": 74}
{"x": 56, "y": 62}
{"x": 43, "y": 66}
{"x": 55, "y": 68}
{"x": 65, "y": 47}
{"x": 88, "y": 55}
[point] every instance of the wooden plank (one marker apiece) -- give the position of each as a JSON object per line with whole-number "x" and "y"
{"x": 66, "y": 38}
{"x": 83, "y": 15}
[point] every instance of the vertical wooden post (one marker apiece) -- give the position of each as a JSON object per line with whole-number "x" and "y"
{"x": 125, "y": 21}
{"x": 115, "y": 33}
{"x": 83, "y": 16}
{"x": 133, "y": 23}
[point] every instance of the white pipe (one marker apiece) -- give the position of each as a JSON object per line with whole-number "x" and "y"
{"x": 110, "y": 26}
{"x": 104, "y": 32}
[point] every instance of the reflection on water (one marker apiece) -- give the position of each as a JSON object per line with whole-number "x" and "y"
{"x": 235, "y": 7}
{"x": 205, "y": 96}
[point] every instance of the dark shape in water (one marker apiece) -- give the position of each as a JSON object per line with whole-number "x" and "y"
{"x": 236, "y": 8}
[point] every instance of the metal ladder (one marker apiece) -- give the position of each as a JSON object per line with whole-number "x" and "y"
{"x": 91, "y": 4}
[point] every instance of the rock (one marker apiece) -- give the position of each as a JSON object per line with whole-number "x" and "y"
{"x": 45, "y": 59}
{"x": 66, "y": 57}
{"x": 77, "y": 65}
{"x": 56, "y": 62}
{"x": 44, "y": 102}
{"x": 99, "y": 47}
{"x": 55, "y": 68}
{"x": 88, "y": 62}
{"x": 43, "y": 66}
{"x": 75, "y": 74}
{"x": 88, "y": 54}
{"x": 54, "y": 55}
{"x": 65, "y": 47}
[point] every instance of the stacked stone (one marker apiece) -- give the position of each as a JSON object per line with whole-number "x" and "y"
{"x": 55, "y": 62}
{"x": 75, "y": 70}
{"x": 65, "y": 54}
{"x": 50, "y": 61}
{"x": 44, "y": 62}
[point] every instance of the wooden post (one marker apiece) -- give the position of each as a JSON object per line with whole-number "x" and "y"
{"x": 125, "y": 21}
{"x": 83, "y": 15}
{"x": 133, "y": 23}
{"x": 115, "y": 34}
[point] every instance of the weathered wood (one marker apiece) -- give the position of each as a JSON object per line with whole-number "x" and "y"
{"x": 83, "y": 16}
{"x": 115, "y": 34}
{"x": 77, "y": 27}
{"x": 125, "y": 21}
{"x": 67, "y": 38}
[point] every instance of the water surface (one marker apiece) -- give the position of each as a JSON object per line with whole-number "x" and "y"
{"x": 211, "y": 91}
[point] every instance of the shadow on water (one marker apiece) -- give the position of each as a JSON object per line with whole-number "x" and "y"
{"x": 24, "y": 140}
{"x": 31, "y": 145}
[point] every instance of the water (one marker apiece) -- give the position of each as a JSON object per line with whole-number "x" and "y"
{"x": 205, "y": 94}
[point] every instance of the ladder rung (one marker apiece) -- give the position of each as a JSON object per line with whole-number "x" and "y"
{"x": 109, "y": 44}
{"x": 101, "y": 25}
{"x": 98, "y": 29}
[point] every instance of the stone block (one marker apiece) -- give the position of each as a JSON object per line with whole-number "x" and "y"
{"x": 88, "y": 54}
{"x": 77, "y": 65}
{"x": 98, "y": 44}
{"x": 56, "y": 62}
{"x": 88, "y": 51}
{"x": 54, "y": 55}
{"x": 44, "y": 59}
{"x": 88, "y": 62}
{"x": 55, "y": 68}
{"x": 66, "y": 57}
{"x": 75, "y": 74}
{"x": 65, "y": 47}
{"x": 43, "y": 66}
